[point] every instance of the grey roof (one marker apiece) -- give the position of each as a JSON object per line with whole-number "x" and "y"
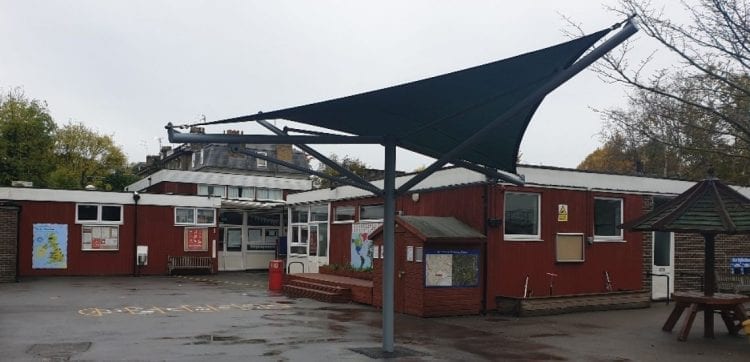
{"x": 438, "y": 227}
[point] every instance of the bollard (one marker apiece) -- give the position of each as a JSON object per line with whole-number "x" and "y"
{"x": 276, "y": 275}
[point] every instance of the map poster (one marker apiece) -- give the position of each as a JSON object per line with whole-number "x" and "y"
{"x": 451, "y": 268}
{"x": 362, "y": 247}
{"x": 196, "y": 239}
{"x": 50, "y": 246}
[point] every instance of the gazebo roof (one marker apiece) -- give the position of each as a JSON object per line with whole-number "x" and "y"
{"x": 709, "y": 207}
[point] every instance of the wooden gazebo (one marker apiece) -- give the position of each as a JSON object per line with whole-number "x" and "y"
{"x": 708, "y": 208}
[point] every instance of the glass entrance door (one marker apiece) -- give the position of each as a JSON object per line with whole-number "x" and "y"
{"x": 230, "y": 258}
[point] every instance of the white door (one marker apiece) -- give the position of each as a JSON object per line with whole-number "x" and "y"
{"x": 662, "y": 268}
{"x": 312, "y": 249}
{"x": 231, "y": 257}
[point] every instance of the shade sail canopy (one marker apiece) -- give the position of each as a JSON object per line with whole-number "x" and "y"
{"x": 434, "y": 115}
{"x": 709, "y": 207}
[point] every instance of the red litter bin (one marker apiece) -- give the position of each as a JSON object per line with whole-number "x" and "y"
{"x": 276, "y": 275}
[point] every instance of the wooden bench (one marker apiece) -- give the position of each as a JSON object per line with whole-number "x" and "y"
{"x": 733, "y": 283}
{"x": 190, "y": 262}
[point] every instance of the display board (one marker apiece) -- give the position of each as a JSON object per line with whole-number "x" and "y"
{"x": 361, "y": 246}
{"x": 196, "y": 239}
{"x": 50, "y": 246}
{"x": 569, "y": 248}
{"x": 451, "y": 268}
{"x": 100, "y": 237}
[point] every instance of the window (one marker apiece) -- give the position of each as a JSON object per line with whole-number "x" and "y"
{"x": 319, "y": 213}
{"x": 263, "y": 193}
{"x": 607, "y": 215}
{"x": 211, "y": 190}
{"x": 299, "y": 240}
{"x": 260, "y": 162}
{"x": 194, "y": 216}
{"x": 98, "y": 214}
{"x": 237, "y": 192}
{"x": 344, "y": 214}
{"x": 299, "y": 214}
{"x": 262, "y": 238}
{"x": 522, "y": 216}
{"x": 371, "y": 212}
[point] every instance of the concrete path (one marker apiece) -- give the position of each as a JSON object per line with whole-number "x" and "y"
{"x": 232, "y": 317}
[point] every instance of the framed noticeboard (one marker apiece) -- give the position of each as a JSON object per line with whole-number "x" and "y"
{"x": 100, "y": 237}
{"x": 451, "y": 268}
{"x": 196, "y": 239}
{"x": 569, "y": 248}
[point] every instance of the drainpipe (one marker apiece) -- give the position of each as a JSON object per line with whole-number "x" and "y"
{"x": 136, "y": 197}
{"x": 486, "y": 205}
{"x": 18, "y": 243}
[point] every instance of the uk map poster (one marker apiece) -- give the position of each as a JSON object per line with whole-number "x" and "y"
{"x": 50, "y": 248}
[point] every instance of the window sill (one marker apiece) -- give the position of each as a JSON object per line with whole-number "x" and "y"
{"x": 524, "y": 240}
{"x": 610, "y": 241}
{"x": 344, "y": 222}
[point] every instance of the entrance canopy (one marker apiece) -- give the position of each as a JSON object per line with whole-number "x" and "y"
{"x": 434, "y": 115}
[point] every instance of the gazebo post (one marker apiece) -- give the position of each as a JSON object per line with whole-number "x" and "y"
{"x": 709, "y": 275}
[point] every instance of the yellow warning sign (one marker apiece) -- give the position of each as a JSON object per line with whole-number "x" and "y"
{"x": 562, "y": 212}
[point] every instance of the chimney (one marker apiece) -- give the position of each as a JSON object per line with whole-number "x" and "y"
{"x": 284, "y": 153}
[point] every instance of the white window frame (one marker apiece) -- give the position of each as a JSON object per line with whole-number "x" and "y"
{"x": 243, "y": 190}
{"x": 98, "y": 219}
{"x": 524, "y": 237}
{"x": 259, "y": 162}
{"x": 350, "y": 221}
{"x": 195, "y": 216}
{"x": 609, "y": 238}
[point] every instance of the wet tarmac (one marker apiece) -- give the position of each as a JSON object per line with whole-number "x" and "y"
{"x": 232, "y": 317}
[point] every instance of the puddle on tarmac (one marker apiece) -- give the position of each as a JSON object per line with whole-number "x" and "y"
{"x": 224, "y": 340}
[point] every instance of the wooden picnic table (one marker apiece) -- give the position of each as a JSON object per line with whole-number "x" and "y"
{"x": 730, "y": 306}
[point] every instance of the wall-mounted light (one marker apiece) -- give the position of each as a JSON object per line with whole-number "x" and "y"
{"x": 415, "y": 197}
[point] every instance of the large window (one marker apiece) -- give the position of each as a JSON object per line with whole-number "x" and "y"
{"x": 194, "y": 216}
{"x": 263, "y": 193}
{"x": 371, "y": 212}
{"x": 344, "y": 214}
{"x": 98, "y": 214}
{"x": 261, "y": 163}
{"x": 243, "y": 193}
{"x": 212, "y": 190}
{"x": 607, "y": 216}
{"x": 522, "y": 216}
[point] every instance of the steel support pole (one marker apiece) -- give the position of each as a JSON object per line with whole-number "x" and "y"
{"x": 389, "y": 241}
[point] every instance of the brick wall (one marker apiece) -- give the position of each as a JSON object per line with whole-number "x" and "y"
{"x": 689, "y": 257}
{"x": 8, "y": 243}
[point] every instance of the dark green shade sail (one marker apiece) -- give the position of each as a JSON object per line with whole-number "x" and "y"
{"x": 434, "y": 115}
{"x": 709, "y": 207}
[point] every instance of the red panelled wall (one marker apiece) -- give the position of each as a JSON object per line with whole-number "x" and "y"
{"x": 465, "y": 204}
{"x": 510, "y": 261}
{"x": 155, "y": 229}
{"x": 175, "y": 188}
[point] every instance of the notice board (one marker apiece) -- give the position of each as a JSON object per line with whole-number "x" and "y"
{"x": 196, "y": 239}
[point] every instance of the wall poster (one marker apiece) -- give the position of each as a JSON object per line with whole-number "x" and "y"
{"x": 50, "y": 246}
{"x": 100, "y": 237}
{"x": 451, "y": 268}
{"x": 362, "y": 247}
{"x": 196, "y": 239}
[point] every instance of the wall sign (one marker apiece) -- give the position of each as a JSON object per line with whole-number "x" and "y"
{"x": 196, "y": 239}
{"x": 50, "y": 248}
{"x": 562, "y": 212}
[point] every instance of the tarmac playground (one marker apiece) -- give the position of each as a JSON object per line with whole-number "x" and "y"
{"x": 232, "y": 317}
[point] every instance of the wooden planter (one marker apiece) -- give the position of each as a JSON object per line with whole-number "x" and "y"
{"x": 349, "y": 273}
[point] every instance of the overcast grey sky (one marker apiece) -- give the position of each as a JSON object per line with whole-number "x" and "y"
{"x": 127, "y": 68}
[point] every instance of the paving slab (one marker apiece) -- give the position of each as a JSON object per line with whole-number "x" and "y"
{"x": 232, "y": 316}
